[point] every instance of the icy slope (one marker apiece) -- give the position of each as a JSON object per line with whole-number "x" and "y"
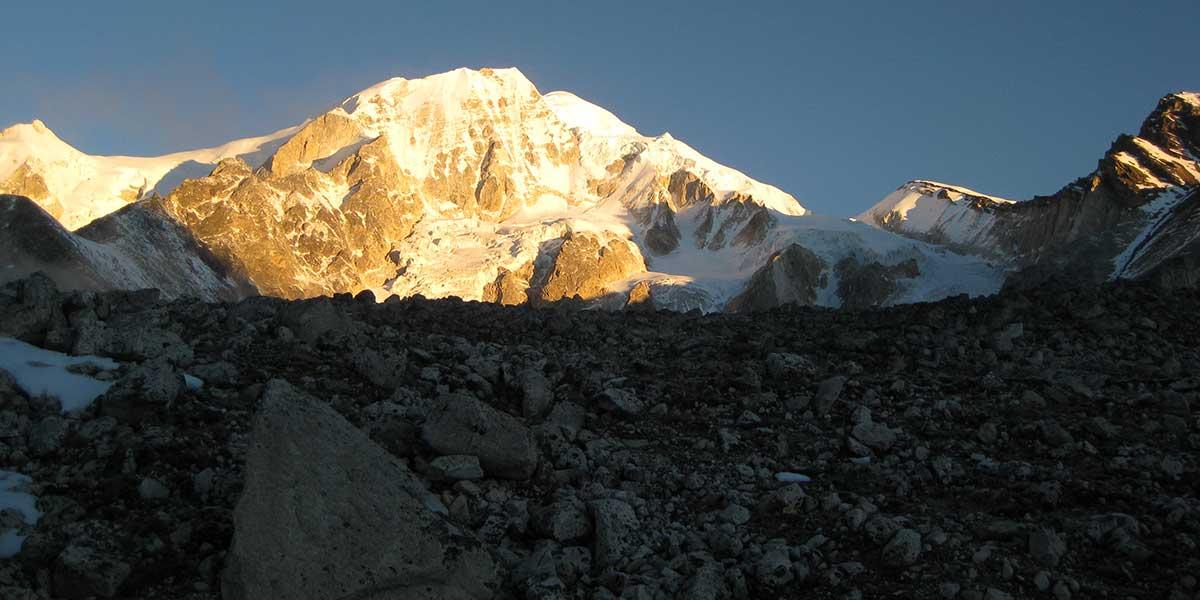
{"x": 77, "y": 188}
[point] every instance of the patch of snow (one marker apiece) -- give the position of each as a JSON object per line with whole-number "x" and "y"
{"x": 581, "y": 114}
{"x": 1157, "y": 212}
{"x": 45, "y": 372}
{"x": 13, "y": 497}
{"x": 193, "y": 383}
{"x": 788, "y": 477}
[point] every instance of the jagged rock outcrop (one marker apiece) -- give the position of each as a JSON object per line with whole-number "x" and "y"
{"x": 583, "y": 265}
{"x": 326, "y": 513}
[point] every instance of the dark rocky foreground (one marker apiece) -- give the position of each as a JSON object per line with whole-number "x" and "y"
{"x": 1041, "y": 443}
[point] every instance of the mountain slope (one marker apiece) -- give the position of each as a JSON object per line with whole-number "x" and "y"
{"x": 1131, "y": 215}
{"x": 474, "y": 184}
{"x": 134, "y": 248}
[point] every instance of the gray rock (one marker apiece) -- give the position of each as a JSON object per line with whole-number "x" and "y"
{"x": 1054, "y": 434}
{"x": 48, "y": 435}
{"x": 736, "y": 514}
{"x": 1046, "y": 546}
{"x": 903, "y": 549}
{"x": 625, "y": 402}
{"x": 536, "y": 395}
{"x": 218, "y": 373}
{"x": 787, "y": 367}
{"x": 617, "y": 531}
{"x": 134, "y": 338}
{"x": 326, "y": 513}
{"x": 455, "y": 467}
{"x": 383, "y": 370}
{"x": 562, "y": 521}
{"x": 707, "y": 584}
{"x": 875, "y": 436}
{"x": 313, "y": 320}
{"x": 153, "y": 489}
{"x": 146, "y": 388}
{"x": 828, "y": 393}
{"x": 81, "y": 571}
{"x": 774, "y": 569}
{"x": 460, "y": 424}
{"x": 987, "y": 433}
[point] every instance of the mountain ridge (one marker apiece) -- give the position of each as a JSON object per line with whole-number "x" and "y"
{"x": 1104, "y": 225}
{"x": 474, "y": 184}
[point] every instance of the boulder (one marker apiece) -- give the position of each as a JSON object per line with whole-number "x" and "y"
{"x": 146, "y": 388}
{"x": 460, "y": 424}
{"x": 326, "y": 513}
{"x": 617, "y": 529}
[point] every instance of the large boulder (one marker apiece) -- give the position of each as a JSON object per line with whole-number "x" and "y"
{"x": 460, "y": 424}
{"x": 326, "y": 513}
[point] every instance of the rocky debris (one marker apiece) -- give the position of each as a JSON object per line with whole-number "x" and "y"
{"x": 460, "y": 424}
{"x": 82, "y": 571}
{"x": 326, "y": 513}
{"x": 149, "y": 387}
{"x": 798, "y": 453}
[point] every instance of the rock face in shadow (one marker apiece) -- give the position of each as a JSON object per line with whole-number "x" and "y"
{"x": 326, "y": 513}
{"x": 791, "y": 276}
{"x": 136, "y": 247}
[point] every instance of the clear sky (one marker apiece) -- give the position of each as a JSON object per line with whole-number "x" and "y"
{"x": 836, "y": 102}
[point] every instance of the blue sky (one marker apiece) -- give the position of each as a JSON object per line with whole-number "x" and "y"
{"x": 836, "y": 102}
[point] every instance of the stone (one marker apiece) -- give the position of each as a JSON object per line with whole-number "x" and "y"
{"x": 563, "y": 521}
{"x": 82, "y": 571}
{"x": 536, "y": 395}
{"x": 787, "y": 367}
{"x": 617, "y": 531}
{"x": 875, "y": 436}
{"x": 146, "y": 388}
{"x": 47, "y": 436}
{"x": 460, "y": 424}
{"x": 988, "y": 433}
{"x": 622, "y": 401}
{"x": 736, "y": 514}
{"x": 774, "y": 569}
{"x": 326, "y": 513}
{"x": 903, "y": 549}
{"x": 153, "y": 489}
{"x": 1046, "y": 546}
{"x": 313, "y": 320}
{"x": 133, "y": 338}
{"x": 455, "y": 467}
{"x": 828, "y": 393}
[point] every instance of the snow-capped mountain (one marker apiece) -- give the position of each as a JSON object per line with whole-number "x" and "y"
{"x": 1137, "y": 215}
{"x": 474, "y": 184}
